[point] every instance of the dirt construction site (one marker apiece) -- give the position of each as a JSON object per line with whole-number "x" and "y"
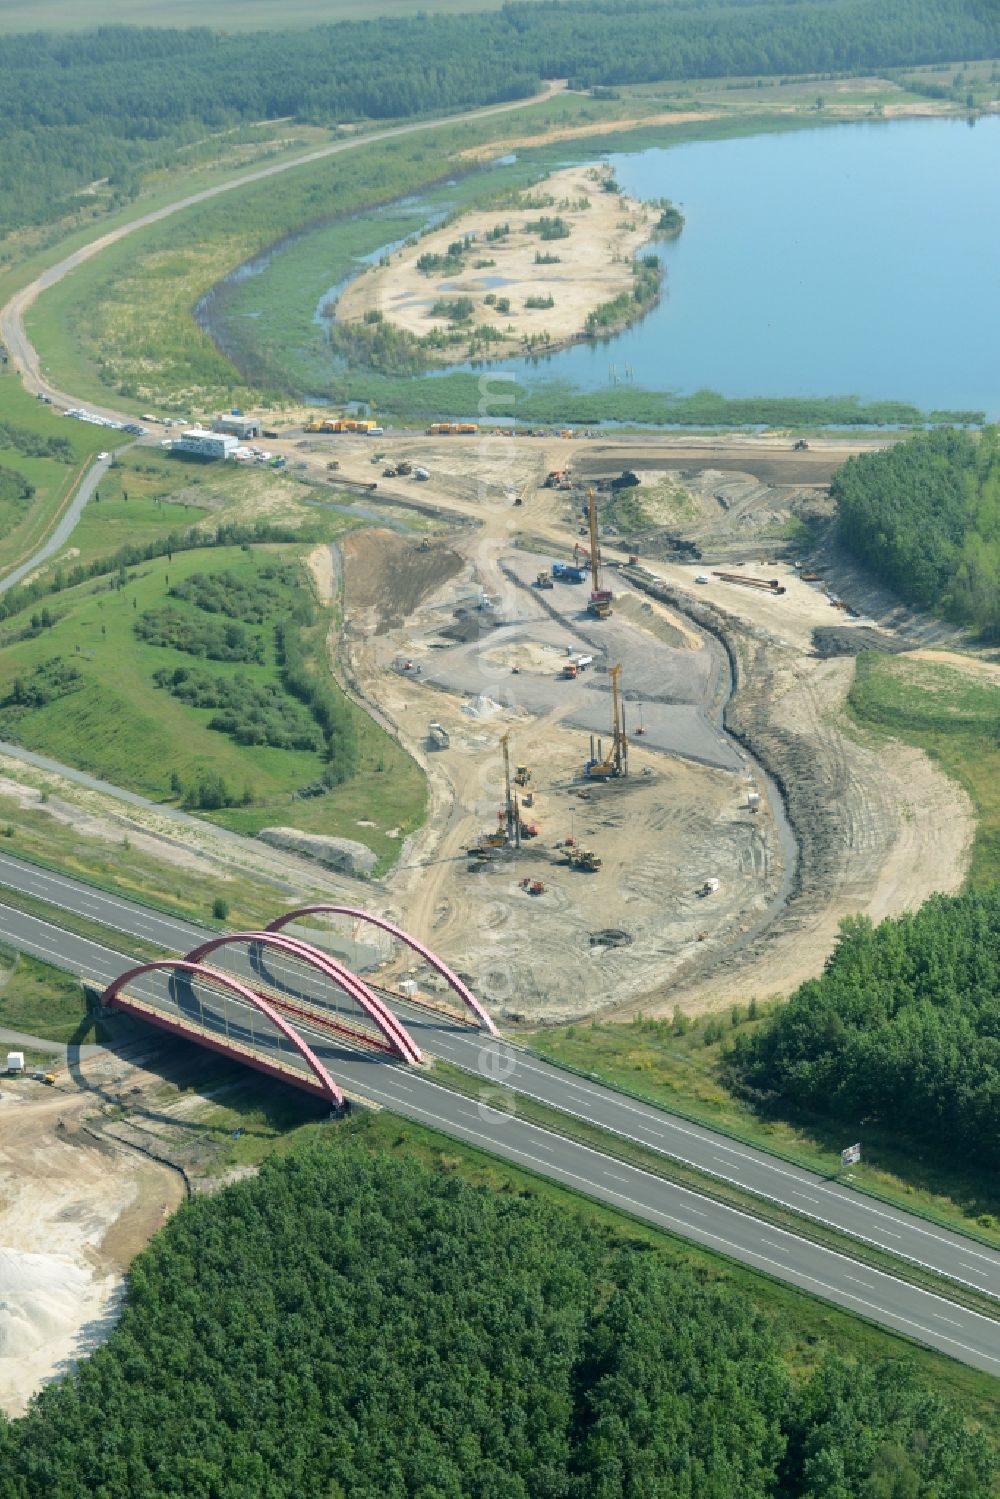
{"x": 750, "y": 821}
{"x": 752, "y": 817}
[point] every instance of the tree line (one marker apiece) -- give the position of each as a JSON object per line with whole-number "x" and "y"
{"x": 351, "y": 1326}
{"x": 902, "y": 1029}
{"x": 112, "y": 103}
{"x": 924, "y": 515}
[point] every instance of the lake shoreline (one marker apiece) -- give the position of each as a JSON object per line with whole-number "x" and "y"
{"x": 486, "y": 283}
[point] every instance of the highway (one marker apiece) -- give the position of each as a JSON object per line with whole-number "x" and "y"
{"x": 494, "y": 1125}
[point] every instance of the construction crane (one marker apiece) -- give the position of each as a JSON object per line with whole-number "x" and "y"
{"x": 600, "y": 598}
{"x": 511, "y": 813}
{"x": 615, "y": 765}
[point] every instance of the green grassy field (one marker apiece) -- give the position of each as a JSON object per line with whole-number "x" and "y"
{"x": 23, "y": 527}
{"x": 39, "y": 1000}
{"x": 222, "y": 15}
{"x": 951, "y": 715}
{"x": 117, "y": 724}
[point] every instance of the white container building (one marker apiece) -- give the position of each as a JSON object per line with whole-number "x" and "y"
{"x": 199, "y": 443}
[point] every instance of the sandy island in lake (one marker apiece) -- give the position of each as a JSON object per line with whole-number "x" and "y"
{"x": 594, "y": 266}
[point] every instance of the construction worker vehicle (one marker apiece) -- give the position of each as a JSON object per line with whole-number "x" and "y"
{"x": 568, "y": 572}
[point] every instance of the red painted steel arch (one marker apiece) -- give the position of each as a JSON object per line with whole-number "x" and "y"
{"x": 462, "y": 990}
{"x": 182, "y": 965}
{"x": 398, "y": 1037}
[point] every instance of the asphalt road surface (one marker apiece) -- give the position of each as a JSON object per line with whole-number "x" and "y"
{"x": 65, "y": 526}
{"x": 492, "y": 1123}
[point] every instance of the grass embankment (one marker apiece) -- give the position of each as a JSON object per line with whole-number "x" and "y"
{"x": 106, "y": 714}
{"x": 275, "y": 1121}
{"x": 226, "y": 15}
{"x": 50, "y": 454}
{"x": 74, "y": 838}
{"x": 679, "y": 1064}
{"x": 952, "y": 716}
{"x": 41, "y": 1001}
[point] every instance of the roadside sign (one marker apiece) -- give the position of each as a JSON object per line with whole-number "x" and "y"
{"x": 851, "y": 1156}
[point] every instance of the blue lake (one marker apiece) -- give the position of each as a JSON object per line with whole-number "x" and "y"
{"x": 859, "y": 259}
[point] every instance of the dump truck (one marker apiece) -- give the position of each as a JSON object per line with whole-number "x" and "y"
{"x": 584, "y": 859}
{"x": 568, "y": 572}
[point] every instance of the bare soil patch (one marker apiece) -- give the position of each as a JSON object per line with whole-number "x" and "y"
{"x": 73, "y": 1213}
{"x": 388, "y": 576}
{"x": 872, "y": 837}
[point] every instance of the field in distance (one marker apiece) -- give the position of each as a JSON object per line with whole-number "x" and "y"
{"x": 223, "y": 15}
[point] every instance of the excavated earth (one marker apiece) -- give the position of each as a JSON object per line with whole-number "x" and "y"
{"x": 841, "y": 828}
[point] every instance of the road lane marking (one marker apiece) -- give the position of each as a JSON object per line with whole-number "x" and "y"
{"x": 519, "y": 1062}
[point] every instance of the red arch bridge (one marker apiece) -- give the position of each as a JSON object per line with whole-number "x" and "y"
{"x": 273, "y": 1000}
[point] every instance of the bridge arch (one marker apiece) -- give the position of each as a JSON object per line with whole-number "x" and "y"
{"x": 399, "y": 1040}
{"x": 181, "y": 965}
{"x": 463, "y": 991}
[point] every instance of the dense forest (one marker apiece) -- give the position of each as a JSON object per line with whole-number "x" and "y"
{"x": 111, "y": 103}
{"x": 902, "y": 1029}
{"x": 349, "y": 1325}
{"x": 925, "y": 517}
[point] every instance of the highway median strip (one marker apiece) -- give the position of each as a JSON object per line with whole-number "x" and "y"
{"x": 506, "y": 1099}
